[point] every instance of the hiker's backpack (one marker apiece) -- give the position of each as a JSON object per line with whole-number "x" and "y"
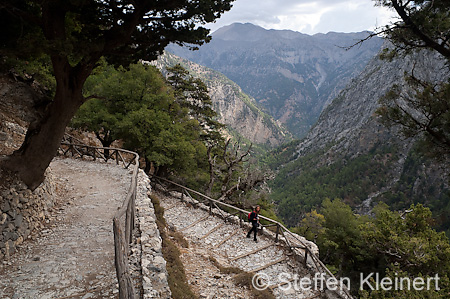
{"x": 249, "y": 216}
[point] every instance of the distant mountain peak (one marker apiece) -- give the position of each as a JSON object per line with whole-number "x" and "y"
{"x": 291, "y": 74}
{"x": 240, "y": 32}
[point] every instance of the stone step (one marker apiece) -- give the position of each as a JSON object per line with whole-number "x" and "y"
{"x": 194, "y": 223}
{"x": 250, "y": 253}
{"x": 212, "y": 230}
{"x": 227, "y": 242}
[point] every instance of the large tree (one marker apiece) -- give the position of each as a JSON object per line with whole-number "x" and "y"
{"x": 75, "y": 35}
{"x": 422, "y": 25}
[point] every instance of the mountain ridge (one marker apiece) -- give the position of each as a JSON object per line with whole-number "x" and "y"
{"x": 349, "y": 154}
{"x": 236, "y": 109}
{"x": 291, "y": 74}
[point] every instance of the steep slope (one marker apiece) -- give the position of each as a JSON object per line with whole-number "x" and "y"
{"x": 293, "y": 75}
{"x": 349, "y": 154}
{"x": 235, "y": 109}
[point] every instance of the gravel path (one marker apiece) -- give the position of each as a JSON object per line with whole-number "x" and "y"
{"x": 73, "y": 257}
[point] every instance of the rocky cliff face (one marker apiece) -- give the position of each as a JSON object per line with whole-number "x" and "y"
{"x": 348, "y": 129}
{"x": 292, "y": 75}
{"x": 22, "y": 211}
{"x": 235, "y": 109}
{"x": 349, "y": 121}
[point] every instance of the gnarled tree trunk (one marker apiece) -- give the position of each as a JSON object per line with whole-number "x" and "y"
{"x": 44, "y": 135}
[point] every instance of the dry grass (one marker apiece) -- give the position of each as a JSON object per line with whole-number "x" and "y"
{"x": 224, "y": 270}
{"x": 244, "y": 279}
{"x": 177, "y": 277}
{"x": 179, "y": 239}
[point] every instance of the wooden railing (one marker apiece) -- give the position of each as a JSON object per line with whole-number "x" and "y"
{"x": 279, "y": 228}
{"x": 123, "y": 220}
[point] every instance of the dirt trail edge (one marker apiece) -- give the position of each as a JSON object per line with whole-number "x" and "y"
{"x": 73, "y": 257}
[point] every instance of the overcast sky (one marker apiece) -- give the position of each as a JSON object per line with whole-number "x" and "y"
{"x": 307, "y": 16}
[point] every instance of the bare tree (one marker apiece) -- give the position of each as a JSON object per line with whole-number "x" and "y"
{"x": 230, "y": 171}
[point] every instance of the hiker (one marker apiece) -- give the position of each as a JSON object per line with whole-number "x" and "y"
{"x": 253, "y": 217}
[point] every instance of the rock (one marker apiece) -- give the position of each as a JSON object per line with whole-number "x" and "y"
{"x": 4, "y": 136}
{"x": 12, "y": 213}
{"x": 18, "y": 241}
{"x": 10, "y": 248}
{"x": 18, "y": 221}
{"x": 3, "y": 218}
{"x": 12, "y": 236}
{"x": 23, "y": 199}
{"x": 5, "y": 206}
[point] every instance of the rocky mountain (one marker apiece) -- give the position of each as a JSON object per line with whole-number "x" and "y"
{"x": 236, "y": 109}
{"x": 350, "y": 123}
{"x": 349, "y": 154}
{"x": 292, "y": 75}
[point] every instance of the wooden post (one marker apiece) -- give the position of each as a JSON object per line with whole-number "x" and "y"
{"x": 240, "y": 221}
{"x": 117, "y": 157}
{"x": 128, "y": 225}
{"x": 306, "y": 258}
{"x": 133, "y": 216}
{"x": 210, "y": 207}
{"x": 277, "y": 232}
{"x": 126, "y": 287}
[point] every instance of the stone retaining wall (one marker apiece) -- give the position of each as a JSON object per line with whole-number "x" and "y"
{"x": 23, "y": 211}
{"x": 153, "y": 265}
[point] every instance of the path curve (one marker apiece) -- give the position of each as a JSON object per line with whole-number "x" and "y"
{"x": 73, "y": 257}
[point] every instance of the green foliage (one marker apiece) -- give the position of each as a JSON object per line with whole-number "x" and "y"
{"x": 210, "y": 76}
{"x": 422, "y": 24}
{"x": 137, "y": 106}
{"x": 302, "y": 185}
{"x": 390, "y": 244}
{"x": 426, "y": 109}
{"x": 408, "y": 245}
{"x": 311, "y": 226}
{"x": 83, "y": 31}
{"x": 281, "y": 155}
{"x": 341, "y": 242}
{"x": 74, "y": 35}
{"x": 37, "y": 68}
{"x": 414, "y": 187}
{"x": 192, "y": 93}
{"x": 408, "y": 241}
{"x": 396, "y": 274}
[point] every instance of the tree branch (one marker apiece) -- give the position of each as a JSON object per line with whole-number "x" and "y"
{"x": 416, "y": 30}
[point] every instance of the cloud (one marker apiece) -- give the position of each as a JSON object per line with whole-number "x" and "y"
{"x": 307, "y": 16}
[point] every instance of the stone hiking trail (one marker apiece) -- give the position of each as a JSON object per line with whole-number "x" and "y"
{"x": 73, "y": 257}
{"x": 210, "y": 236}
